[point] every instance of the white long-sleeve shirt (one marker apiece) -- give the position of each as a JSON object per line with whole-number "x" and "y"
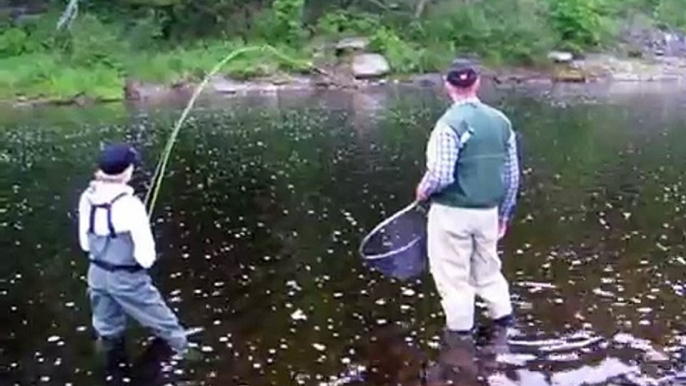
{"x": 128, "y": 215}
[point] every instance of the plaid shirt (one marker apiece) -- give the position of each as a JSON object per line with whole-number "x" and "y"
{"x": 442, "y": 154}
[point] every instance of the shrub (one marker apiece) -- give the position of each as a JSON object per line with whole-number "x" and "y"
{"x": 672, "y": 13}
{"x": 497, "y": 30}
{"x": 288, "y": 18}
{"x": 341, "y": 23}
{"x": 92, "y": 42}
{"x": 146, "y": 32}
{"x": 14, "y": 42}
{"x": 404, "y": 57}
{"x": 577, "y": 22}
{"x": 27, "y": 37}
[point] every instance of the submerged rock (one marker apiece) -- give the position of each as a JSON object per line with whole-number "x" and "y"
{"x": 570, "y": 75}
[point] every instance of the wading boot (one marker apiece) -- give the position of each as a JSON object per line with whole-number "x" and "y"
{"x": 117, "y": 368}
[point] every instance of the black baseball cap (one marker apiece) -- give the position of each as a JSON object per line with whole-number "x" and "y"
{"x": 116, "y": 158}
{"x": 462, "y": 73}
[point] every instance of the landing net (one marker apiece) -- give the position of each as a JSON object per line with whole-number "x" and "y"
{"x": 397, "y": 246}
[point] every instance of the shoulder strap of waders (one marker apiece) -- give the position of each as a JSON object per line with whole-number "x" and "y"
{"x": 107, "y": 206}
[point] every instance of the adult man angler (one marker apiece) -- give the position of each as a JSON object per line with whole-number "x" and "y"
{"x": 472, "y": 180}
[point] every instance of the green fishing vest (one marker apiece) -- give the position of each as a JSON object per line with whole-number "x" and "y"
{"x": 484, "y": 133}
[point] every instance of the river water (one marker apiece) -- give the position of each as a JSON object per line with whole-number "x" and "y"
{"x": 262, "y": 212}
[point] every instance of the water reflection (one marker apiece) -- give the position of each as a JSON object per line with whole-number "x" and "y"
{"x": 260, "y": 219}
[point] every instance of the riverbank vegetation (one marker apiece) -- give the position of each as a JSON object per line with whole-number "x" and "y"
{"x": 168, "y": 41}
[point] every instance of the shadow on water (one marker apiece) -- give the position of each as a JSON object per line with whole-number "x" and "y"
{"x": 262, "y": 213}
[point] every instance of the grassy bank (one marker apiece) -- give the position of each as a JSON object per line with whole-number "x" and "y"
{"x": 95, "y": 58}
{"x": 161, "y": 41}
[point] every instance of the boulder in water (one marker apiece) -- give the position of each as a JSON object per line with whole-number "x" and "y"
{"x": 354, "y": 44}
{"x": 561, "y": 57}
{"x": 370, "y": 66}
{"x": 222, "y": 85}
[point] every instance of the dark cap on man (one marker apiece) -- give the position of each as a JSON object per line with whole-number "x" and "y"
{"x": 116, "y": 158}
{"x": 462, "y": 74}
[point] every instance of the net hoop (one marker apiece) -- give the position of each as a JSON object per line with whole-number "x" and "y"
{"x": 381, "y": 225}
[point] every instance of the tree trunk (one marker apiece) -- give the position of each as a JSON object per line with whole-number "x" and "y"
{"x": 420, "y": 8}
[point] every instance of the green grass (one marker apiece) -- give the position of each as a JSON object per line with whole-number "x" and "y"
{"x": 45, "y": 75}
{"x": 51, "y": 75}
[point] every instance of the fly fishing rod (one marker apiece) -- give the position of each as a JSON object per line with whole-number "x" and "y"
{"x": 158, "y": 176}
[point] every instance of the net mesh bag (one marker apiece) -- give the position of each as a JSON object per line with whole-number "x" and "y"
{"x": 397, "y": 246}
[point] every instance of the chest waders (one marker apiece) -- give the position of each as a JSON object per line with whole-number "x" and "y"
{"x": 119, "y": 287}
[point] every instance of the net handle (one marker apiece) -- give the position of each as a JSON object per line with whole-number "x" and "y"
{"x": 385, "y": 222}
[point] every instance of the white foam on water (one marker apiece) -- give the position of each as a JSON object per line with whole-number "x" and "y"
{"x": 609, "y": 368}
{"x": 298, "y": 315}
{"x": 53, "y": 339}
